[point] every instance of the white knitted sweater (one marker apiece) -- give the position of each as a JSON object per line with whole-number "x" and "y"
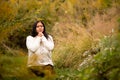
{"x": 39, "y": 50}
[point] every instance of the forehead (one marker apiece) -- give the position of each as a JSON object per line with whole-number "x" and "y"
{"x": 39, "y": 23}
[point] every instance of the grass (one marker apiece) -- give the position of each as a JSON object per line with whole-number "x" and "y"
{"x": 15, "y": 68}
{"x": 70, "y": 42}
{"x": 71, "y": 39}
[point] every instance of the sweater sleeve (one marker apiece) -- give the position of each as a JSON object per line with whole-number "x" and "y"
{"x": 33, "y": 43}
{"x": 48, "y": 43}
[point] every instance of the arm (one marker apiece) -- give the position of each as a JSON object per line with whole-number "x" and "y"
{"x": 33, "y": 43}
{"x": 48, "y": 43}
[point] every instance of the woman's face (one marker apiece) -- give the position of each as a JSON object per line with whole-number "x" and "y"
{"x": 39, "y": 27}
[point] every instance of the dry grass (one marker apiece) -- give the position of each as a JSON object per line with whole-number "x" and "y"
{"x": 103, "y": 25}
{"x": 70, "y": 41}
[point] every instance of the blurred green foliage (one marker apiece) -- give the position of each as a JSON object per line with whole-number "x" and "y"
{"x": 104, "y": 65}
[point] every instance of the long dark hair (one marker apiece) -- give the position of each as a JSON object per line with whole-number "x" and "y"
{"x": 34, "y": 32}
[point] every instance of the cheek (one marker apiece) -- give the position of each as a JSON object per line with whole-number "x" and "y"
{"x": 37, "y": 30}
{"x": 43, "y": 28}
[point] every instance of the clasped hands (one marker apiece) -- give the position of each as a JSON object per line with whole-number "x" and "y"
{"x": 40, "y": 34}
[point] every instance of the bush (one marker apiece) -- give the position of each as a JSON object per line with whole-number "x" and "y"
{"x": 104, "y": 63}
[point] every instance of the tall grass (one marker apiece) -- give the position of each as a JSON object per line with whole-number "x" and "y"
{"x": 71, "y": 41}
{"x": 78, "y": 24}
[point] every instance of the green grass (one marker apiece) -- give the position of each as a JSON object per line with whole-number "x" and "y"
{"x": 15, "y": 68}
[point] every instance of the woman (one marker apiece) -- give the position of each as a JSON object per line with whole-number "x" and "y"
{"x": 40, "y": 45}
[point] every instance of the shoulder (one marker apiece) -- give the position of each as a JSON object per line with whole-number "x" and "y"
{"x": 50, "y": 37}
{"x": 29, "y": 37}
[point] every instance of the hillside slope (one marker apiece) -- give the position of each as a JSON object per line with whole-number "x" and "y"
{"x": 86, "y": 36}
